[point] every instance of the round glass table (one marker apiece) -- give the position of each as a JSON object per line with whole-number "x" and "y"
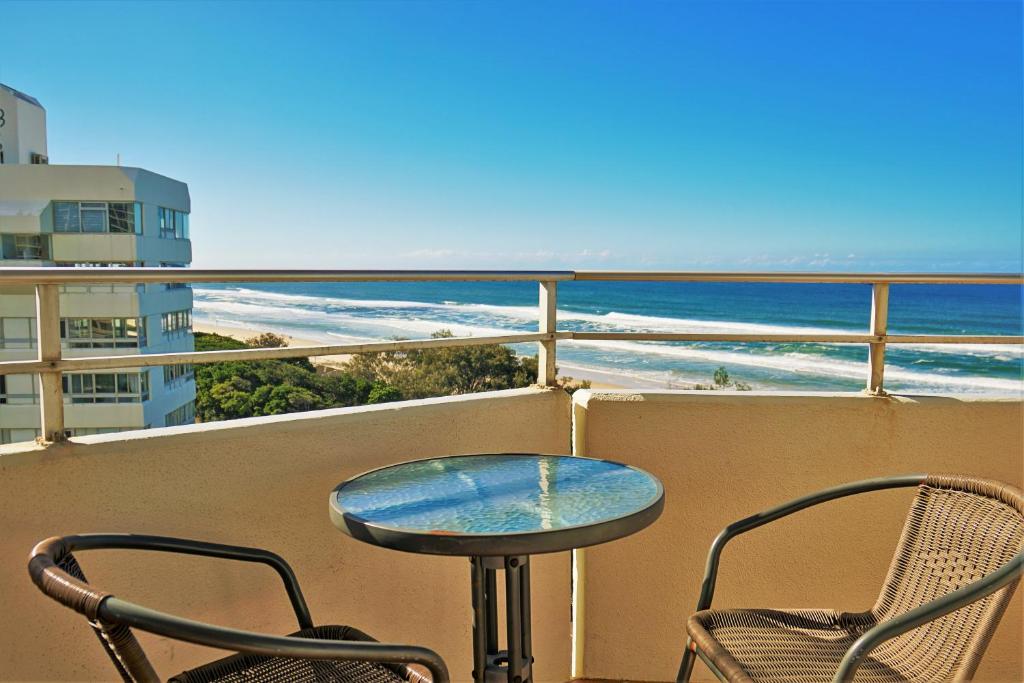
{"x": 497, "y": 510}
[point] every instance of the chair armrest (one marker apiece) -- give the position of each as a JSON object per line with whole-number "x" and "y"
{"x": 929, "y": 611}
{"x": 56, "y": 548}
{"x": 120, "y": 611}
{"x": 707, "y": 590}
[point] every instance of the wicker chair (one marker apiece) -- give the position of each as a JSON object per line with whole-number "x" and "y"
{"x": 956, "y": 566}
{"x": 314, "y": 653}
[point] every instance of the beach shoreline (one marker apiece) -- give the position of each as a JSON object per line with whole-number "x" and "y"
{"x": 597, "y": 379}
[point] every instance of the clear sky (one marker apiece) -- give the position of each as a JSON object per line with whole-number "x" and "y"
{"x": 811, "y": 135}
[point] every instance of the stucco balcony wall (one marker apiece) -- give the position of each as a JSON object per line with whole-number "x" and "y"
{"x": 263, "y": 482}
{"x": 723, "y": 456}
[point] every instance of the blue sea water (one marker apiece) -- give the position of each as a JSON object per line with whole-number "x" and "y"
{"x": 351, "y": 312}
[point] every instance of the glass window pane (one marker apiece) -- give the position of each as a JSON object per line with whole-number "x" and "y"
{"x": 102, "y": 328}
{"x": 122, "y": 384}
{"x": 94, "y": 217}
{"x": 65, "y": 217}
{"x": 122, "y": 217}
{"x": 79, "y": 328}
{"x": 104, "y": 384}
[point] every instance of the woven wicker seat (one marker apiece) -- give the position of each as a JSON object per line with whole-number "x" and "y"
{"x": 244, "y": 668}
{"x": 314, "y": 654}
{"x": 956, "y": 565}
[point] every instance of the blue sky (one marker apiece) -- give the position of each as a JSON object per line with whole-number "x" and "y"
{"x": 592, "y": 135}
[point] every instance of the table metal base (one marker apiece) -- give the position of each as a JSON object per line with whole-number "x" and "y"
{"x": 515, "y": 663}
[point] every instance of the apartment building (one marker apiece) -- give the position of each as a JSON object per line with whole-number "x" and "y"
{"x": 63, "y": 215}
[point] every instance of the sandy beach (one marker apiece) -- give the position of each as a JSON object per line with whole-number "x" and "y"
{"x": 597, "y": 380}
{"x": 242, "y": 334}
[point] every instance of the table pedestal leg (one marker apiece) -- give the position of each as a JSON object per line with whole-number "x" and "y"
{"x": 514, "y": 664}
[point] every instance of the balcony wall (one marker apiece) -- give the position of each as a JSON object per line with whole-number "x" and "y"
{"x": 724, "y": 456}
{"x": 262, "y": 482}
{"x": 265, "y": 482}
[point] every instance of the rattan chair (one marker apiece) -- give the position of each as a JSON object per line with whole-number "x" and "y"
{"x": 956, "y": 566}
{"x": 314, "y": 653}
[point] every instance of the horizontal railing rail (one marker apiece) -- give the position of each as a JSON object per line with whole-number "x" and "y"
{"x": 49, "y": 363}
{"x": 58, "y": 275}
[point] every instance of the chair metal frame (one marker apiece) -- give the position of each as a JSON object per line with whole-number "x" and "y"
{"x": 46, "y": 572}
{"x": 880, "y": 633}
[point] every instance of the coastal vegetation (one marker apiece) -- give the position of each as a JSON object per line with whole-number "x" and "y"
{"x": 721, "y": 380}
{"x": 229, "y": 390}
{"x": 236, "y": 389}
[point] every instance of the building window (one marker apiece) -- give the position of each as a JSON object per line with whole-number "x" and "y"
{"x": 173, "y": 224}
{"x": 32, "y": 247}
{"x": 112, "y": 387}
{"x": 18, "y": 390}
{"x": 98, "y": 217}
{"x": 174, "y": 285}
{"x": 175, "y": 322}
{"x": 178, "y": 373}
{"x": 182, "y": 415}
{"x": 18, "y": 435}
{"x": 17, "y": 333}
{"x": 103, "y": 333}
{"x": 87, "y": 431}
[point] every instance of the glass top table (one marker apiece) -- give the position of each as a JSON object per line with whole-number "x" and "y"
{"x": 498, "y": 510}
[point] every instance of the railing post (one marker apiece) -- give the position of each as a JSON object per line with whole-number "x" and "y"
{"x": 548, "y": 323}
{"x": 51, "y": 395}
{"x": 879, "y": 324}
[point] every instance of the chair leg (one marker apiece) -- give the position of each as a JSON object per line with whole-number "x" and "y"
{"x": 686, "y": 666}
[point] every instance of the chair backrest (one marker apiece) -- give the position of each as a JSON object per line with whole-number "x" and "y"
{"x": 57, "y": 573}
{"x": 959, "y": 529}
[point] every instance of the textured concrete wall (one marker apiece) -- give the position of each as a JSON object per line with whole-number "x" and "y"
{"x": 263, "y": 482}
{"x": 724, "y": 456}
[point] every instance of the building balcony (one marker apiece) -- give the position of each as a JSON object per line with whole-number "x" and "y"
{"x": 614, "y": 611}
{"x": 265, "y": 482}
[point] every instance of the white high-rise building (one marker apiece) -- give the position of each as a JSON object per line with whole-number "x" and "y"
{"x": 58, "y": 215}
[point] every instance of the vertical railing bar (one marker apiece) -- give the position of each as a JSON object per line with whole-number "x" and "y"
{"x": 547, "y": 350}
{"x": 879, "y": 327}
{"x": 51, "y": 395}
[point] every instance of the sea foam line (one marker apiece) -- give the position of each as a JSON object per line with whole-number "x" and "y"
{"x": 612, "y": 321}
{"x": 375, "y": 328}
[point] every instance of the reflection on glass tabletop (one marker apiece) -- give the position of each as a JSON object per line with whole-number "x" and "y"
{"x": 496, "y": 494}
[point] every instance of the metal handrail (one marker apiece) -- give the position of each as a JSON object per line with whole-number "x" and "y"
{"x": 59, "y": 275}
{"x": 50, "y": 363}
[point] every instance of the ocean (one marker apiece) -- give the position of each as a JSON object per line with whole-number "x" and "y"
{"x": 355, "y": 312}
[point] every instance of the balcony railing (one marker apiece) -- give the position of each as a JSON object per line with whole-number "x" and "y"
{"x": 50, "y": 363}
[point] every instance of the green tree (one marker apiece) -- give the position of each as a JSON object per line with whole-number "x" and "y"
{"x": 421, "y": 373}
{"x": 234, "y": 389}
{"x": 288, "y": 398}
{"x": 266, "y": 340}
{"x": 382, "y": 393}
